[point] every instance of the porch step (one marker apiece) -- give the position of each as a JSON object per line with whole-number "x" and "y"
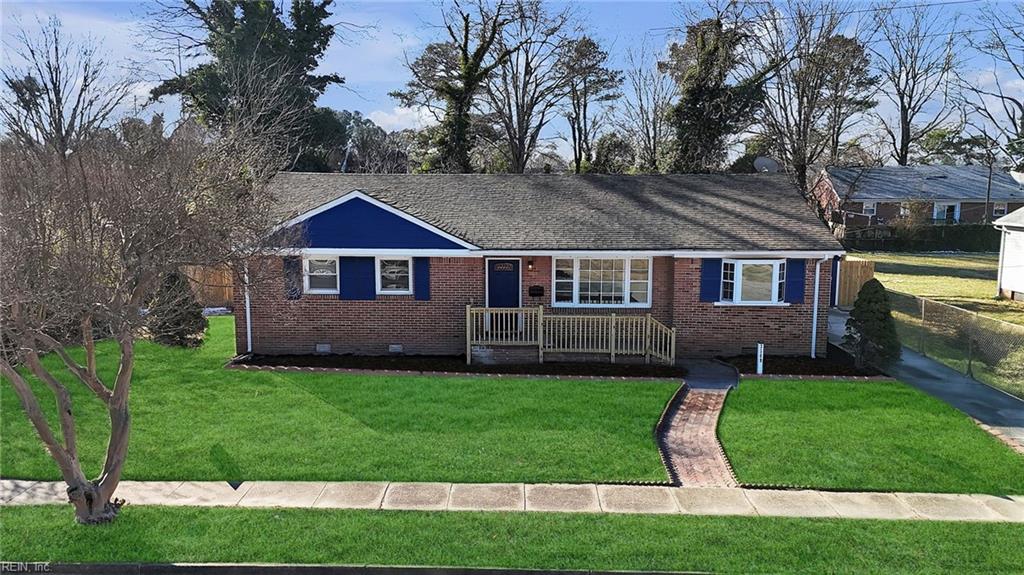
{"x": 709, "y": 374}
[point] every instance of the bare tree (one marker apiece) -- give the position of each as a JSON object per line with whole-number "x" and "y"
{"x": 917, "y": 64}
{"x": 794, "y": 38}
{"x": 997, "y": 108}
{"x": 90, "y": 235}
{"x": 59, "y": 92}
{"x": 592, "y": 87}
{"x": 527, "y": 85}
{"x": 644, "y": 117}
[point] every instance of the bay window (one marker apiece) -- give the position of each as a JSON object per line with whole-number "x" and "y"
{"x": 602, "y": 282}
{"x": 753, "y": 281}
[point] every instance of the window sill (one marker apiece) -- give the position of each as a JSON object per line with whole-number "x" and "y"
{"x": 320, "y": 292}
{"x": 601, "y": 306}
{"x": 393, "y": 293}
{"x": 751, "y": 304}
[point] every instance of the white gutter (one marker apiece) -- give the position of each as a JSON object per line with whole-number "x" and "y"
{"x": 814, "y": 312}
{"x": 248, "y": 311}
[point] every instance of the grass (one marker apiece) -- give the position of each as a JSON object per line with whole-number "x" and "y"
{"x": 861, "y": 435}
{"x": 194, "y": 420}
{"x": 966, "y": 280}
{"x": 519, "y": 540}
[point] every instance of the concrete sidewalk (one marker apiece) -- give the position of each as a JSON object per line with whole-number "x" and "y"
{"x": 514, "y": 497}
{"x": 988, "y": 405}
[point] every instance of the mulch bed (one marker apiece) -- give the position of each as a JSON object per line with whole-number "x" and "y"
{"x": 445, "y": 363}
{"x": 838, "y": 362}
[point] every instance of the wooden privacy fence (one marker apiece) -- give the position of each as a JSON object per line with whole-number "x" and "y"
{"x": 853, "y": 274}
{"x": 213, "y": 286}
{"x": 616, "y": 335}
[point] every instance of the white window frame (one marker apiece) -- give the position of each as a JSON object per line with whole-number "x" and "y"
{"x": 941, "y": 215}
{"x": 737, "y": 291}
{"x": 625, "y": 280}
{"x": 874, "y": 208}
{"x": 904, "y": 209}
{"x": 305, "y": 276}
{"x": 376, "y": 270}
{"x": 1005, "y": 207}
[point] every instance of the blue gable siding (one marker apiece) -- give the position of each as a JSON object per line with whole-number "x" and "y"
{"x": 360, "y": 224}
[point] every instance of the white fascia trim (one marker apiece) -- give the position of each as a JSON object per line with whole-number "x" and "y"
{"x": 478, "y": 253}
{"x": 371, "y": 252}
{"x": 769, "y": 254}
{"x": 356, "y": 194}
{"x": 761, "y": 254}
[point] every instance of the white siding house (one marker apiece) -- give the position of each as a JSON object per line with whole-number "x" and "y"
{"x": 1011, "y": 255}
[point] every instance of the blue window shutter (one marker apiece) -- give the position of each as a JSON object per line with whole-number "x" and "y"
{"x": 710, "y": 279}
{"x": 421, "y": 278}
{"x": 795, "y": 272}
{"x": 292, "y": 277}
{"x": 356, "y": 279}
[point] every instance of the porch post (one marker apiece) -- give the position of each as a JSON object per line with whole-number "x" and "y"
{"x": 469, "y": 346}
{"x": 647, "y": 339}
{"x": 540, "y": 334}
{"x": 611, "y": 336}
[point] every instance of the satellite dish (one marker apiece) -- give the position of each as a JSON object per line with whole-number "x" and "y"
{"x": 766, "y": 164}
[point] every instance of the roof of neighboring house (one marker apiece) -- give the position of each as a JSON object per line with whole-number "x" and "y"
{"x": 903, "y": 183}
{"x": 1014, "y": 219}
{"x": 587, "y": 212}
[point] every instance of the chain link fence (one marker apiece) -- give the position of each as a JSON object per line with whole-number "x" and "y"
{"x": 988, "y": 350}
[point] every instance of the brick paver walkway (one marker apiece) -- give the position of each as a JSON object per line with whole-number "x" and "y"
{"x": 691, "y": 441}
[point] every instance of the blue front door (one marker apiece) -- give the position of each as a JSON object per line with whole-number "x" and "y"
{"x": 503, "y": 283}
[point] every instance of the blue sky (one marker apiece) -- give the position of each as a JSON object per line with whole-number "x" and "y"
{"x": 372, "y": 63}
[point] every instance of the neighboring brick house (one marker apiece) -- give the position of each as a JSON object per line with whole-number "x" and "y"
{"x": 1010, "y": 278}
{"x": 389, "y": 263}
{"x": 858, "y": 197}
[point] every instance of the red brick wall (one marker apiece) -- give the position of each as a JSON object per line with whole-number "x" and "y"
{"x": 438, "y": 326}
{"x": 282, "y": 326}
{"x": 702, "y": 328}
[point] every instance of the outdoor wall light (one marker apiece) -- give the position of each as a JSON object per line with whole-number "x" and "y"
{"x": 529, "y": 265}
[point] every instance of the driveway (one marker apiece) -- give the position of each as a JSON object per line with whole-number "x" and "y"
{"x": 986, "y": 404}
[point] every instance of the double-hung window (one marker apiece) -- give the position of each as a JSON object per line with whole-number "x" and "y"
{"x": 320, "y": 276}
{"x": 753, "y": 281}
{"x": 602, "y": 282}
{"x": 870, "y": 208}
{"x": 999, "y": 209}
{"x": 394, "y": 276}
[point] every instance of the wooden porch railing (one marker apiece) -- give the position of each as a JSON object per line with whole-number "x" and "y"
{"x": 616, "y": 335}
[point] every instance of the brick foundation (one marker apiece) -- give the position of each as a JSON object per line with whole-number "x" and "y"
{"x": 437, "y": 327}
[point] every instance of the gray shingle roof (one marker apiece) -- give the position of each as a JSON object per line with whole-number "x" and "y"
{"x": 900, "y": 183}
{"x": 591, "y": 212}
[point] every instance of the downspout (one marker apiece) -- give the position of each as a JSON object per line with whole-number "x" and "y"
{"x": 248, "y": 310}
{"x": 999, "y": 271}
{"x": 814, "y": 312}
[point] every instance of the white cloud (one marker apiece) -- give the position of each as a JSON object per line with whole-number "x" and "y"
{"x": 400, "y": 118}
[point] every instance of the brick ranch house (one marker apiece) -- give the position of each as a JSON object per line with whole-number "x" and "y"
{"x": 707, "y": 265}
{"x": 858, "y": 197}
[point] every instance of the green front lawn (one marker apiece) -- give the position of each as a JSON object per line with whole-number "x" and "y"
{"x": 966, "y": 280}
{"x": 194, "y": 420}
{"x": 520, "y": 540}
{"x": 853, "y": 435}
